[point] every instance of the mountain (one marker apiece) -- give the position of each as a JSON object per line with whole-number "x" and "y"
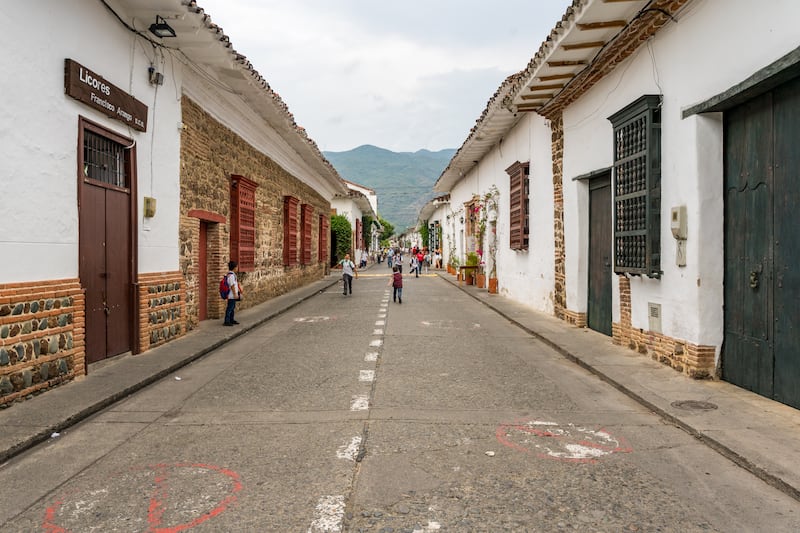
{"x": 403, "y": 180}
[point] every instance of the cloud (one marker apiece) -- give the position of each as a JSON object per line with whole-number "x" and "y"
{"x": 400, "y": 75}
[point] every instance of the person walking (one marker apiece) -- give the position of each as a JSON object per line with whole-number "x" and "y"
{"x": 348, "y": 271}
{"x": 396, "y": 282}
{"x": 398, "y": 261}
{"x": 414, "y": 266}
{"x": 234, "y": 294}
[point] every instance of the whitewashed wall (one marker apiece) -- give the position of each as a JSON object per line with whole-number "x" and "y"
{"x": 348, "y": 209}
{"x": 714, "y": 45}
{"x": 526, "y": 276}
{"x": 38, "y": 140}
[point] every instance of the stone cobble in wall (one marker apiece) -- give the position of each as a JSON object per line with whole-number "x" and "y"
{"x": 162, "y": 308}
{"x": 41, "y": 336}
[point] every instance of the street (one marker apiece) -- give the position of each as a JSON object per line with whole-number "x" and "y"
{"x": 355, "y": 413}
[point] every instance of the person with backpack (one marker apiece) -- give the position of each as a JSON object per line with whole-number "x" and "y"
{"x": 234, "y": 293}
{"x": 348, "y": 271}
{"x": 396, "y": 281}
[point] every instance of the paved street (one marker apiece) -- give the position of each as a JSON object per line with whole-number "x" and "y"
{"x": 354, "y": 413}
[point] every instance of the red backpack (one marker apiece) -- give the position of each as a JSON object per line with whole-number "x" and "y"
{"x": 224, "y": 288}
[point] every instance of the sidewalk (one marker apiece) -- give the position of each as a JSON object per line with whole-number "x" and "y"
{"x": 758, "y": 434}
{"x": 28, "y": 423}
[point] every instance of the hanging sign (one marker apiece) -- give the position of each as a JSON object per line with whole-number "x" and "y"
{"x": 93, "y": 90}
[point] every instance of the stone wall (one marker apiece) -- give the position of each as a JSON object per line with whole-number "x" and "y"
{"x": 210, "y": 154}
{"x": 162, "y": 308}
{"x": 41, "y": 336}
{"x": 694, "y": 360}
{"x": 560, "y": 287}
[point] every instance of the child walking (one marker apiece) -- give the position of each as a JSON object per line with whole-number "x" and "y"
{"x": 397, "y": 282}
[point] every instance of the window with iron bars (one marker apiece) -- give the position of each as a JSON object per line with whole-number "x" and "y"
{"x": 104, "y": 159}
{"x": 637, "y": 187}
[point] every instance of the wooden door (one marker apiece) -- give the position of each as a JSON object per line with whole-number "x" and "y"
{"x": 105, "y": 270}
{"x": 202, "y": 273}
{"x": 786, "y": 233}
{"x": 599, "y": 315}
{"x": 762, "y": 246}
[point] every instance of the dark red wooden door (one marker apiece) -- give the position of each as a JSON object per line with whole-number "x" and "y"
{"x": 598, "y": 315}
{"x": 202, "y": 273}
{"x": 105, "y": 270}
{"x": 762, "y": 245}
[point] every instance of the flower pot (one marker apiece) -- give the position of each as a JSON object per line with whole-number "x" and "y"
{"x": 468, "y": 279}
{"x": 480, "y": 280}
{"x": 492, "y": 285}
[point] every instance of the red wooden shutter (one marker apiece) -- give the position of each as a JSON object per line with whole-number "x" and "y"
{"x": 243, "y": 222}
{"x": 307, "y": 213}
{"x": 290, "y": 230}
{"x": 322, "y": 247}
{"x": 518, "y": 195}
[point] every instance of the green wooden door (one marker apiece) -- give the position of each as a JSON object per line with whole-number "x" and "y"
{"x": 598, "y": 315}
{"x": 761, "y": 345}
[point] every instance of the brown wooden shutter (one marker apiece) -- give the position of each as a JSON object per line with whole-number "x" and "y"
{"x": 306, "y": 212}
{"x": 243, "y": 222}
{"x": 518, "y": 195}
{"x": 290, "y": 230}
{"x": 322, "y": 248}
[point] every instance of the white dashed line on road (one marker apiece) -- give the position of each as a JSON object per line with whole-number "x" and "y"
{"x": 330, "y": 512}
{"x": 349, "y": 451}
{"x": 359, "y": 403}
{"x": 371, "y": 356}
{"x": 366, "y": 375}
{"x": 376, "y": 343}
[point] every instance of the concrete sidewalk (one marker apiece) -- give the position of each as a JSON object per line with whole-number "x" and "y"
{"x": 758, "y": 434}
{"x": 26, "y": 424}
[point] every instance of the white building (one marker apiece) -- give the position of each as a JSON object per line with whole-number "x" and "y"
{"x": 118, "y": 218}
{"x": 653, "y": 145}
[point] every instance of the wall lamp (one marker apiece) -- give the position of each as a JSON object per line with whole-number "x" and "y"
{"x": 161, "y": 29}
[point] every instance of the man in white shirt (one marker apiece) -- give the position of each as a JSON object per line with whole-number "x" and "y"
{"x": 348, "y": 271}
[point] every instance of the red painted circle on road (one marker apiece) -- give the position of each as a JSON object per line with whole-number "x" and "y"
{"x": 561, "y": 442}
{"x": 162, "y": 500}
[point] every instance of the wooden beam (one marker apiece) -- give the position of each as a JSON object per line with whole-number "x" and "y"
{"x": 543, "y": 97}
{"x": 566, "y": 63}
{"x": 546, "y": 87}
{"x": 602, "y": 24}
{"x": 579, "y": 46}
{"x": 555, "y": 77}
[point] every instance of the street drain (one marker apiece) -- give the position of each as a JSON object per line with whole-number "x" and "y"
{"x": 693, "y": 405}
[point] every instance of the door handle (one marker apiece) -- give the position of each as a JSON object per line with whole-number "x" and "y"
{"x": 754, "y": 279}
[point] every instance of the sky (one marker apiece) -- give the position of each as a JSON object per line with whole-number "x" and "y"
{"x": 402, "y": 75}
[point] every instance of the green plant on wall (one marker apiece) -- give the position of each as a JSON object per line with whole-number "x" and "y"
{"x": 343, "y": 231}
{"x": 366, "y": 230}
{"x": 424, "y": 233}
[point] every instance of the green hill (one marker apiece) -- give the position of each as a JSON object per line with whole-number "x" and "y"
{"x": 403, "y": 180}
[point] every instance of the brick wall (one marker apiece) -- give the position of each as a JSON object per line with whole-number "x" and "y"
{"x": 41, "y": 336}
{"x": 694, "y": 360}
{"x": 162, "y": 308}
{"x": 560, "y": 286}
{"x": 210, "y": 154}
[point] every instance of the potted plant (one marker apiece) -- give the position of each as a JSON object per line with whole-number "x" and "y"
{"x": 472, "y": 261}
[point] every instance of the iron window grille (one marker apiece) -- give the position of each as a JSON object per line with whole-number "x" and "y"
{"x": 104, "y": 160}
{"x": 637, "y": 187}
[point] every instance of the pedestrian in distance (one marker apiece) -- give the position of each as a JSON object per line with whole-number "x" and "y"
{"x": 398, "y": 261}
{"x": 234, "y": 294}
{"x": 396, "y": 282}
{"x": 348, "y": 271}
{"x": 414, "y": 266}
